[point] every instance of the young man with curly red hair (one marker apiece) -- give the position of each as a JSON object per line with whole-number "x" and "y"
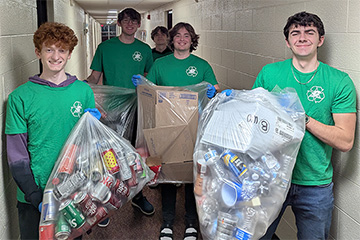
{"x": 40, "y": 115}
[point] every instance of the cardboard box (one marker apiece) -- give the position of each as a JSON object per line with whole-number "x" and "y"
{"x": 170, "y": 119}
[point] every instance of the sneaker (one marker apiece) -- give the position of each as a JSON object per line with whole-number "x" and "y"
{"x": 143, "y": 205}
{"x": 153, "y": 186}
{"x": 104, "y": 223}
{"x": 166, "y": 232}
{"x": 190, "y": 232}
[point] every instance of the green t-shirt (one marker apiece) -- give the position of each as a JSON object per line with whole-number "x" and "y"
{"x": 170, "y": 71}
{"x": 47, "y": 114}
{"x": 119, "y": 61}
{"x": 330, "y": 91}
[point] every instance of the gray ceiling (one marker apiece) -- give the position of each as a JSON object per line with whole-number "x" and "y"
{"x": 99, "y": 9}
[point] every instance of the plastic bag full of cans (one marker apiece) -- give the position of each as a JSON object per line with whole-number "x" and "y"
{"x": 243, "y": 161}
{"x": 96, "y": 173}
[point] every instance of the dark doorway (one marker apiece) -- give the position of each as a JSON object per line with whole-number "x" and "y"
{"x": 41, "y": 11}
{"x": 169, "y": 19}
{"x": 42, "y": 17}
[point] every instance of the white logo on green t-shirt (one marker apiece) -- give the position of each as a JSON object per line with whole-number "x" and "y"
{"x": 315, "y": 94}
{"x": 137, "y": 56}
{"x": 192, "y": 71}
{"x": 76, "y": 109}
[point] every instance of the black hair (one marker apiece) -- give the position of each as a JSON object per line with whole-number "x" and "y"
{"x": 131, "y": 13}
{"x": 161, "y": 29}
{"x": 304, "y": 19}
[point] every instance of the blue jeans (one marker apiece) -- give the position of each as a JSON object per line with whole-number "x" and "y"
{"x": 312, "y": 207}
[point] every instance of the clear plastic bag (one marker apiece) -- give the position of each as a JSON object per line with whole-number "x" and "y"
{"x": 118, "y": 108}
{"x": 96, "y": 173}
{"x": 245, "y": 152}
{"x": 167, "y": 125}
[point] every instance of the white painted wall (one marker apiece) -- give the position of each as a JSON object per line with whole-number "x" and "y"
{"x": 71, "y": 14}
{"x": 18, "y": 22}
{"x": 239, "y": 37}
{"x": 17, "y": 62}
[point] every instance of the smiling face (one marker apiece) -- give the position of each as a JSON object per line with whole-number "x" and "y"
{"x": 53, "y": 58}
{"x": 304, "y": 41}
{"x": 128, "y": 26}
{"x": 182, "y": 40}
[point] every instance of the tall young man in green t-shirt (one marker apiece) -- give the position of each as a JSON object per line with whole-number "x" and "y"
{"x": 329, "y": 100}
{"x": 39, "y": 117}
{"x": 116, "y": 61}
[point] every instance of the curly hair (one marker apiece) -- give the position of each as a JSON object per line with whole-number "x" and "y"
{"x": 55, "y": 33}
{"x": 304, "y": 19}
{"x": 194, "y": 37}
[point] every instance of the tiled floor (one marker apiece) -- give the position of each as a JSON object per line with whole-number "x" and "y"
{"x": 128, "y": 223}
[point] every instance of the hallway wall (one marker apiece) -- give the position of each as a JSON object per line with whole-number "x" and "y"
{"x": 239, "y": 37}
{"x": 18, "y": 61}
{"x": 87, "y": 30}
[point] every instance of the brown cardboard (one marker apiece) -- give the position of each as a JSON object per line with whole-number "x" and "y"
{"x": 177, "y": 171}
{"x": 170, "y": 118}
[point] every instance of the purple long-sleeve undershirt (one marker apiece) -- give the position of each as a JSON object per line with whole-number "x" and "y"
{"x": 19, "y": 163}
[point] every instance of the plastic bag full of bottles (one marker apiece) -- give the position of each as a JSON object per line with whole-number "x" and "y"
{"x": 245, "y": 152}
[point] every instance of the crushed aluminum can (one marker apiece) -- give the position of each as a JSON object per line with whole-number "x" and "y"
{"x": 102, "y": 188}
{"x": 85, "y": 204}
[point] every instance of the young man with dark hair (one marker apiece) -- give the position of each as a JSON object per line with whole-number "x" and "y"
{"x": 39, "y": 117}
{"x": 181, "y": 69}
{"x": 116, "y": 61}
{"x": 168, "y": 70}
{"x": 329, "y": 100}
{"x": 160, "y": 36}
{"x": 119, "y": 58}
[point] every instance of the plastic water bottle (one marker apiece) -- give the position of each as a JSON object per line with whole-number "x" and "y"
{"x": 261, "y": 179}
{"x": 213, "y": 187}
{"x": 288, "y": 161}
{"x": 284, "y": 175}
{"x": 226, "y": 225}
{"x": 208, "y": 213}
{"x": 245, "y": 227}
{"x": 215, "y": 164}
{"x": 249, "y": 189}
{"x": 270, "y": 162}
